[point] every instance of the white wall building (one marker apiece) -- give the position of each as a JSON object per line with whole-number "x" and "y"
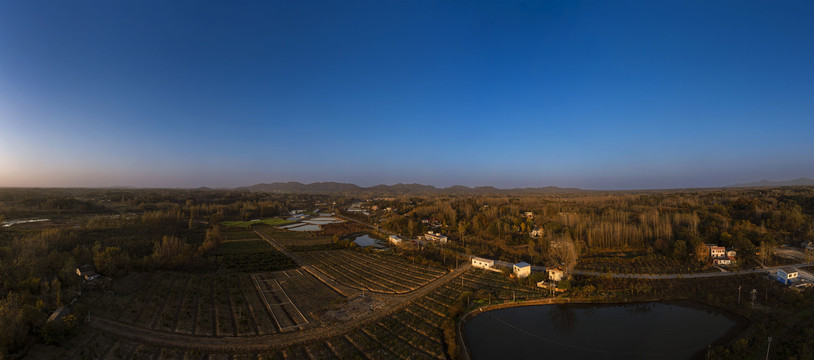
{"x": 555, "y": 274}
{"x": 483, "y": 263}
{"x": 395, "y": 239}
{"x": 722, "y": 261}
{"x": 786, "y": 275}
{"x": 436, "y": 237}
{"x": 522, "y": 269}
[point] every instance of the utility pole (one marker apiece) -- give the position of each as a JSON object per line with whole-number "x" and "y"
{"x": 754, "y": 294}
{"x": 739, "y": 294}
{"x": 768, "y": 347}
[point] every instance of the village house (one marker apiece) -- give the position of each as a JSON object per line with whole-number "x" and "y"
{"x": 528, "y": 215}
{"x": 87, "y": 272}
{"x": 787, "y": 275}
{"x": 731, "y": 253}
{"x": 722, "y": 261}
{"x": 537, "y": 232}
{"x": 555, "y": 274}
{"x": 436, "y": 237}
{"x": 395, "y": 239}
{"x": 522, "y": 269}
{"x": 716, "y": 252}
{"x": 483, "y": 263}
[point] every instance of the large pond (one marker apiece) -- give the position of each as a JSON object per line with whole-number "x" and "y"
{"x": 655, "y": 330}
{"x": 366, "y": 240}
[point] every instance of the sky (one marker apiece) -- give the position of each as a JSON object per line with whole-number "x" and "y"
{"x": 588, "y": 94}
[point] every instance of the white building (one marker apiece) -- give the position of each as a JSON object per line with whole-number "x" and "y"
{"x": 395, "y": 240}
{"x": 786, "y": 275}
{"x": 722, "y": 261}
{"x": 522, "y": 269}
{"x": 529, "y": 215}
{"x": 483, "y": 263}
{"x": 555, "y": 274}
{"x": 436, "y": 237}
{"x": 537, "y": 231}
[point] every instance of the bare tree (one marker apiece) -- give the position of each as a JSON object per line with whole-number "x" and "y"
{"x": 563, "y": 252}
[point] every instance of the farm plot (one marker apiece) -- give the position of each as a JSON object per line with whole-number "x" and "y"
{"x": 250, "y": 256}
{"x": 498, "y": 285}
{"x": 416, "y": 332}
{"x": 285, "y": 313}
{"x": 370, "y": 272}
{"x": 237, "y": 235}
{"x": 310, "y": 295}
{"x": 197, "y": 304}
{"x": 294, "y": 238}
{"x": 94, "y": 344}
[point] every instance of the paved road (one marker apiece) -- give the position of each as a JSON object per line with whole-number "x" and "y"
{"x": 691, "y": 275}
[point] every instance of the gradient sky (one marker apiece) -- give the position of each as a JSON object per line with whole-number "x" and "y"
{"x": 594, "y": 94}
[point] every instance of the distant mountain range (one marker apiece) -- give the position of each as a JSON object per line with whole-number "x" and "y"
{"x": 397, "y": 189}
{"x": 766, "y": 183}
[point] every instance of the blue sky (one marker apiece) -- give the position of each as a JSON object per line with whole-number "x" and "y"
{"x": 595, "y": 94}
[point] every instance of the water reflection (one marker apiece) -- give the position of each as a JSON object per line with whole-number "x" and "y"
{"x": 563, "y": 318}
{"x": 602, "y": 331}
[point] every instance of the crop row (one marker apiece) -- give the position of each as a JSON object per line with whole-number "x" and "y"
{"x": 367, "y": 273}
{"x": 341, "y": 274}
{"x": 402, "y": 269}
{"x": 364, "y": 275}
{"x": 400, "y": 263}
{"x": 205, "y": 305}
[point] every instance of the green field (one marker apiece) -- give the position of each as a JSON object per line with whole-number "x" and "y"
{"x": 246, "y": 224}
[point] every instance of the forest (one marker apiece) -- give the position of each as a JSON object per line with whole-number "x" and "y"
{"x": 654, "y": 231}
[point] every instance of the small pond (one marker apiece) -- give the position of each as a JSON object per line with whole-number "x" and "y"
{"x": 654, "y": 330}
{"x": 366, "y": 240}
{"x": 307, "y": 227}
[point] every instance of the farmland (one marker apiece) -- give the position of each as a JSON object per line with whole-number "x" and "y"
{"x": 250, "y": 256}
{"x": 218, "y": 304}
{"x": 293, "y": 238}
{"x": 414, "y": 329}
{"x": 371, "y": 272}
